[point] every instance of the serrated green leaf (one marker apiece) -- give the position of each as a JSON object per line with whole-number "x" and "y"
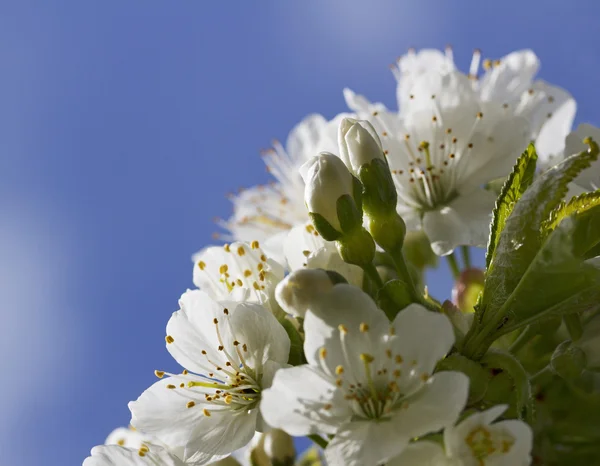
{"x": 576, "y": 205}
{"x": 512, "y": 190}
{"x": 520, "y": 240}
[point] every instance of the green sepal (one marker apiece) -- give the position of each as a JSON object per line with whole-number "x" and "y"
{"x": 324, "y": 227}
{"x": 479, "y": 377}
{"x": 357, "y": 193}
{"x": 393, "y": 297}
{"x": 568, "y": 361}
{"x": 348, "y": 215}
{"x": 379, "y": 194}
{"x": 296, "y": 356}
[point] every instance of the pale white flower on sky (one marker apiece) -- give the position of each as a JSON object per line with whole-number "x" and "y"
{"x": 456, "y": 132}
{"x": 476, "y": 441}
{"x": 369, "y": 381}
{"x": 146, "y": 455}
{"x": 237, "y": 272}
{"x": 231, "y": 351}
{"x": 266, "y": 213}
{"x": 305, "y": 248}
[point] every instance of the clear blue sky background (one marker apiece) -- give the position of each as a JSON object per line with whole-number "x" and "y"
{"x": 122, "y": 126}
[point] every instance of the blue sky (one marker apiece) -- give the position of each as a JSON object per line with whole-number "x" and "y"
{"x": 122, "y": 127}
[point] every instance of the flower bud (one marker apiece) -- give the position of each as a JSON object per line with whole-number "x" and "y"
{"x": 359, "y": 143}
{"x": 279, "y": 447}
{"x": 568, "y": 360}
{"x": 296, "y": 292}
{"x": 467, "y": 288}
{"x": 417, "y": 250}
{"x": 589, "y": 343}
{"x": 329, "y": 195}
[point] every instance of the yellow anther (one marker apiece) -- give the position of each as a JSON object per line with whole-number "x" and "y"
{"x": 215, "y": 321}
{"x": 327, "y": 407}
{"x": 121, "y": 442}
{"x": 141, "y": 452}
{"x": 397, "y": 373}
{"x": 206, "y": 412}
{"x": 226, "y": 311}
{"x": 223, "y": 269}
{"x": 202, "y": 265}
{"x": 256, "y": 286}
{"x": 228, "y": 399}
{"x": 479, "y": 115}
{"x": 247, "y": 272}
{"x": 144, "y": 447}
{"x": 263, "y": 258}
{"x": 339, "y": 370}
{"x": 367, "y": 358}
{"x": 323, "y": 353}
{"x": 169, "y": 339}
{"x": 487, "y": 64}
{"x": 239, "y": 282}
{"x": 388, "y": 353}
{"x": 398, "y": 359}
{"x": 364, "y": 327}
{"x": 254, "y": 245}
{"x": 171, "y": 386}
{"x": 159, "y": 374}
{"x": 424, "y": 377}
{"x": 241, "y": 251}
{"x": 343, "y": 329}
{"x": 190, "y": 404}
{"x": 185, "y": 372}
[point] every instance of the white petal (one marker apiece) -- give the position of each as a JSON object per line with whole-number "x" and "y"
{"x": 422, "y": 336}
{"x": 114, "y": 455}
{"x": 304, "y": 138}
{"x": 519, "y": 453}
{"x": 264, "y": 336}
{"x": 303, "y": 401}
{"x": 348, "y": 306}
{"x": 465, "y": 221}
{"x": 127, "y": 437}
{"x": 437, "y": 405}
{"x": 423, "y": 453}
{"x": 508, "y": 80}
{"x": 273, "y": 246}
{"x": 362, "y": 443}
{"x": 328, "y": 258}
{"x": 301, "y": 241}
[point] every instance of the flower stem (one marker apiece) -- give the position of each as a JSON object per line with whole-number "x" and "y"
{"x": 524, "y": 337}
{"x": 372, "y": 273}
{"x": 466, "y": 256}
{"x": 452, "y": 262}
{"x": 538, "y": 376}
{"x": 319, "y": 440}
{"x": 404, "y": 273}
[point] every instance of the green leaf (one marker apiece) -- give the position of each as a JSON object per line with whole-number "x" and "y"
{"x": 585, "y": 203}
{"x": 512, "y": 190}
{"x": 520, "y": 239}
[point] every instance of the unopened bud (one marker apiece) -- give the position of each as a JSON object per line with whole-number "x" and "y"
{"x": 467, "y": 288}
{"x": 296, "y": 292}
{"x": 329, "y": 195}
{"x": 279, "y": 447}
{"x": 417, "y": 250}
{"x": 589, "y": 343}
{"x": 568, "y": 361}
{"x": 358, "y": 143}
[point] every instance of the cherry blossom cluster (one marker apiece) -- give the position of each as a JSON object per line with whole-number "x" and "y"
{"x": 314, "y": 319}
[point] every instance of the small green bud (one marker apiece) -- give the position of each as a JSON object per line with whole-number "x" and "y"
{"x": 417, "y": 250}
{"x": 568, "y": 361}
{"x": 393, "y": 297}
{"x": 467, "y": 288}
{"x": 388, "y": 230}
{"x": 357, "y": 247}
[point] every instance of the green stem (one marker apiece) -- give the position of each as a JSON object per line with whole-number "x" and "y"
{"x": 524, "y": 337}
{"x": 319, "y": 440}
{"x": 404, "y": 273}
{"x": 372, "y": 273}
{"x": 452, "y": 262}
{"x": 466, "y": 256}
{"x": 574, "y": 327}
{"x": 542, "y": 374}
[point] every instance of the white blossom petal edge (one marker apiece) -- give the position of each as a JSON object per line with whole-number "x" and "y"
{"x": 231, "y": 351}
{"x": 368, "y": 381}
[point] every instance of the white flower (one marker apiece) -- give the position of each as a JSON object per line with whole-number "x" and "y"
{"x": 305, "y": 248}
{"x": 261, "y": 212}
{"x": 368, "y": 381}
{"x": 237, "y": 272}
{"x": 127, "y": 437}
{"x": 146, "y": 455}
{"x": 327, "y": 179}
{"x": 457, "y": 132}
{"x": 588, "y": 179}
{"x": 298, "y": 290}
{"x": 474, "y": 442}
{"x": 358, "y": 143}
{"x": 232, "y": 351}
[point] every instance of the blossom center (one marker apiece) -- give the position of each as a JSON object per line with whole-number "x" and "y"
{"x": 484, "y": 443}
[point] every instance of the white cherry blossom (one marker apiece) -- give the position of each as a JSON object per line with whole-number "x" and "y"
{"x": 476, "y": 441}
{"x": 264, "y": 213}
{"x": 368, "y": 381}
{"x": 237, "y": 272}
{"x": 146, "y": 455}
{"x": 230, "y": 351}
